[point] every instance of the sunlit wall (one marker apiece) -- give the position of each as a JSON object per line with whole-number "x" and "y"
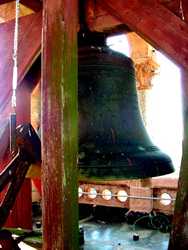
{"x": 164, "y": 110}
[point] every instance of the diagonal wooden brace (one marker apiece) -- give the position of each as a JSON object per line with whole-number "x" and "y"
{"x": 29, "y": 152}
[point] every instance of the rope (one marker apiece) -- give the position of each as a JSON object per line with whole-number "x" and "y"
{"x": 15, "y": 56}
{"x": 181, "y": 11}
{"x": 12, "y": 119}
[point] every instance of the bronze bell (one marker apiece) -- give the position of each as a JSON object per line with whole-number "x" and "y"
{"x": 113, "y": 142}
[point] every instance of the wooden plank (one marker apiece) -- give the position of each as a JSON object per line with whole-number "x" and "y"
{"x": 28, "y": 50}
{"x": 155, "y": 23}
{"x": 178, "y": 237}
{"x": 59, "y": 125}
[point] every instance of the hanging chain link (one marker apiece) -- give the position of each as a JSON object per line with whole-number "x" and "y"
{"x": 15, "y": 54}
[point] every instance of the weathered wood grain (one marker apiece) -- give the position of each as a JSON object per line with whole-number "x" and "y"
{"x": 59, "y": 125}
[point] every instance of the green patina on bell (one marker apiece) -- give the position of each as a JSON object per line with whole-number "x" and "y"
{"x": 113, "y": 142}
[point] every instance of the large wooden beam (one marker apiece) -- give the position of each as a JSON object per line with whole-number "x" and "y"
{"x": 155, "y": 23}
{"x": 59, "y": 125}
{"x": 28, "y": 50}
{"x": 99, "y": 19}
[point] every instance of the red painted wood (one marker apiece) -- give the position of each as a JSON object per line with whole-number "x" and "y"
{"x": 172, "y": 5}
{"x": 23, "y": 204}
{"x": 175, "y": 6}
{"x": 155, "y": 23}
{"x": 29, "y": 48}
{"x": 59, "y": 125}
{"x": 21, "y": 214}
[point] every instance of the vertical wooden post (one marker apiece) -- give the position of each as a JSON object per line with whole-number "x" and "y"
{"x": 179, "y": 233}
{"x": 59, "y": 125}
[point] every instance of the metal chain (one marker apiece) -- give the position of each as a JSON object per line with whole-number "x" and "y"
{"x": 127, "y": 196}
{"x": 15, "y": 54}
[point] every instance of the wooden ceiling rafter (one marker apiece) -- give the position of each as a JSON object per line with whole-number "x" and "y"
{"x": 146, "y": 18}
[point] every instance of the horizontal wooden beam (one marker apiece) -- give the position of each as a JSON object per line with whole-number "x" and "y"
{"x": 155, "y": 23}
{"x": 28, "y": 50}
